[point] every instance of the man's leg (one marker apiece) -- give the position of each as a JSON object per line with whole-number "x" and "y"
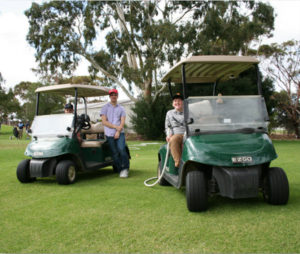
{"x": 122, "y": 151}
{"x": 115, "y": 153}
{"x": 176, "y": 148}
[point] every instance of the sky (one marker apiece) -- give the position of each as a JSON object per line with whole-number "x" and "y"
{"x": 17, "y": 56}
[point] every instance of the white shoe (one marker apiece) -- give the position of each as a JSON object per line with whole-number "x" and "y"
{"x": 124, "y": 173}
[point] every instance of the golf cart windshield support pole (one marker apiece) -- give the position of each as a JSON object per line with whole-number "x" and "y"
{"x": 183, "y": 80}
{"x": 170, "y": 89}
{"x": 85, "y": 106}
{"x": 185, "y": 103}
{"x": 215, "y": 87}
{"x": 37, "y": 104}
{"x": 259, "y": 88}
{"x": 75, "y": 106}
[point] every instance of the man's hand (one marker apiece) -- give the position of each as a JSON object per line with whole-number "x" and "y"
{"x": 117, "y": 135}
{"x": 168, "y": 138}
{"x": 118, "y": 128}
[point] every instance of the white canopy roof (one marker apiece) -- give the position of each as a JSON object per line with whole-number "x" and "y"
{"x": 207, "y": 69}
{"x": 69, "y": 89}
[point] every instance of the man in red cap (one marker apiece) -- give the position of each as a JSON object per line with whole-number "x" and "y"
{"x": 113, "y": 118}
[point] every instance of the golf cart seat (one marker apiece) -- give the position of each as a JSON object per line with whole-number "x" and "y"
{"x": 203, "y": 110}
{"x": 91, "y": 136}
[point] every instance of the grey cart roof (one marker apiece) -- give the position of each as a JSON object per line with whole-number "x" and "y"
{"x": 69, "y": 89}
{"x": 207, "y": 69}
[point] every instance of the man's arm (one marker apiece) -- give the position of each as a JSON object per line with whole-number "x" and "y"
{"x": 122, "y": 122}
{"x": 168, "y": 128}
{"x": 107, "y": 123}
{"x": 120, "y": 127}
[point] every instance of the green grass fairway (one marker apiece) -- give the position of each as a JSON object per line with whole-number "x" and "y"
{"x": 102, "y": 213}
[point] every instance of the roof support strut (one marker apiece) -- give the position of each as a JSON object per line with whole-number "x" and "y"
{"x": 37, "y": 104}
{"x": 259, "y": 88}
{"x": 183, "y": 80}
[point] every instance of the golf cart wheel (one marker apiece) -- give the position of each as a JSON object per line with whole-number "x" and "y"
{"x": 23, "y": 173}
{"x": 66, "y": 172}
{"x": 163, "y": 181}
{"x": 276, "y": 187}
{"x": 196, "y": 191}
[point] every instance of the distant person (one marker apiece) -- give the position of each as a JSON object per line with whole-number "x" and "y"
{"x": 16, "y": 132}
{"x": 69, "y": 108}
{"x": 174, "y": 127}
{"x": 27, "y": 128}
{"x": 20, "y": 127}
{"x": 113, "y": 118}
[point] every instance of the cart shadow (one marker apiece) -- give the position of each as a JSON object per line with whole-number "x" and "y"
{"x": 95, "y": 175}
{"x": 215, "y": 203}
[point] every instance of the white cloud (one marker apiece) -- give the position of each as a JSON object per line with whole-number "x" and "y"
{"x": 16, "y": 55}
{"x": 287, "y": 21}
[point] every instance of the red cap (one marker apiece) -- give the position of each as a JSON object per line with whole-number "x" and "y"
{"x": 113, "y": 91}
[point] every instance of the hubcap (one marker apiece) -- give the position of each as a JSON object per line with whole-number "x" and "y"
{"x": 71, "y": 173}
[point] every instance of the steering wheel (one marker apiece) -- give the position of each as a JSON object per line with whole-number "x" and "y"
{"x": 84, "y": 121}
{"x": 85, "y": 125}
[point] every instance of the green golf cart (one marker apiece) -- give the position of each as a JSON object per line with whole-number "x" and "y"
{"x": 226, "y": 149}
{"x": 65, "y": 144}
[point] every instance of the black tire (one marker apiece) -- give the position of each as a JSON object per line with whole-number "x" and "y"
{"x": 196, "y": 191}
{"x": 23, "y": 173}
{"x": 66, "y": 172}
{"x": 163, "y": 181}
{"x": 276, "y": 187}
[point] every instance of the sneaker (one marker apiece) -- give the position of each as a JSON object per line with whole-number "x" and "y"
{"x": 124, "y": 173}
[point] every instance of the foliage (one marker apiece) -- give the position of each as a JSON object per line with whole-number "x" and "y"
{"x": 282, "y": 63}
{"x": 48, "y": 103}
{"x": 230, "y": 27}
{"x": 282, "y": 119}
{"x": 141, "y": 37}
{"x": 8, "y": 102}
{"x": 246, "y": 84}
{"x": 88, "y": 80}
{"x": 149, "y": 119}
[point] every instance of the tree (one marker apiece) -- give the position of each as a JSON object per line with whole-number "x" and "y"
{"x": 8, "y": 103}
{"x": 148, "y": 118}
{"x": 48, "y": 103}
{"x": 142, "y": 38}
{"x": 282, "y": 63}
{"x": 282, "y": 119}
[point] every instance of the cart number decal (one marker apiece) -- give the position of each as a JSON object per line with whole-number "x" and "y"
{"x": 38, "y": 153}
{"x": 242, "y": 159}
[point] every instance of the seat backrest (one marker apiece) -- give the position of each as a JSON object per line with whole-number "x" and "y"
{"x": 95, "y": 128}
{"x": 200, "y": 109}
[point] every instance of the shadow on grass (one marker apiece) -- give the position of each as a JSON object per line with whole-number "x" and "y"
{"x": 99, "y": 175}
{"x": 217, "y": 202}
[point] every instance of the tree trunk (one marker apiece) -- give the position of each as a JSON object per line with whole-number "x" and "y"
{"x": 148, "y": 90}
{"x": 107, "y": 74}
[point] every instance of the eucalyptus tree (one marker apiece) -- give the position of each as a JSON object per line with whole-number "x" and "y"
{"x": 8, "y": 103}
{"x": 132, "y": 43}
{"x": 49, "y": 103}
{"x": 282, "y": 64}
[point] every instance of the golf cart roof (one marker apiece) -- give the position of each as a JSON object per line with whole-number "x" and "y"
{"x": 208, "y": 69}
{"x": 69, "y": 89}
